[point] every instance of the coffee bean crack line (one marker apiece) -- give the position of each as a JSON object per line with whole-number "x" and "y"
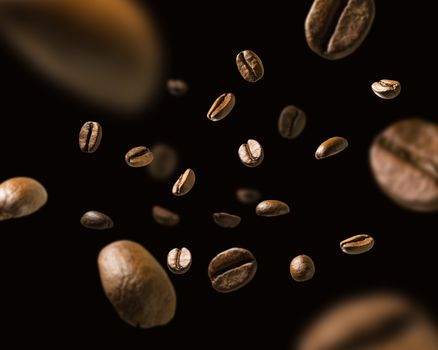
{"x": 331, "y": 29}
{"x": 249, "y": 154}
{"x": 249, "y": 68}
{"x": 241, "y": 261}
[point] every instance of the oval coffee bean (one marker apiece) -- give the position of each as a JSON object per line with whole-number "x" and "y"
{"x": 250, "y": 66}
{"x": 272, "y": 207}
{"x": 185, "y": 183}
{"x": 136, "y": 285}
{"x": 21, "y": 196}
{"x": 165, "y": 162}
{"x": 251, "y": 153}
{"x": 291, "y": 122}
{"x": 248, "y": 195}
{"x": 96, "y": 220}
{"x": 164, "y": 216}
{"x": 336, "y": 28}
{"x": 226, "y": 220}
{"x": 179, "y": 260}
{"x": 232, "y": 270}
{"x": 139, "y": 157}
{"x": 302, "y": 268}
{"x": 404, "y": 162}
{"x": 90, "y": 137}
{"x": 177, "y": 87}
{"x": 331, "y": 147}
{"x": 386, "y": 89}
{"x": 357, "y": 244}
{"x": 221, "y": 107}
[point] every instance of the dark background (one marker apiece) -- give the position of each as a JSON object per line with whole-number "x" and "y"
{"x": 50, "y": 285}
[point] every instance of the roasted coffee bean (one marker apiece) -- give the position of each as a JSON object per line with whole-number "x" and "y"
{"x": 331, "y": 147}
{"x": 179, "y": 260}
{"x": 251, "y": 154}
{"x": 357, "y": 244}
{"x": 21, "y": 196}
{"x": 336, "y": 28}
{"x": 386, "y": 89}
{"x": 302, "y": 268}
{"x": 90, "y": 137}
{"x": 221, "y": 107}
{"x": 250, "y": 66}
{"x": 165, "y": 162}
{"x": 96, "y": 220}
{"x": 226, "y": 220}
{"x": 139, "y": 157}
{"x": 404, "y": 161}
{"x": 185, "y": 183}
{"x": 177, "y": 87}
{"x": 291, "y": 122}
{"x": 232, "y": 270}
{"x": 248, "y": 195}
{"x": 164, "y": 216}
{"x": 272, "y": 207}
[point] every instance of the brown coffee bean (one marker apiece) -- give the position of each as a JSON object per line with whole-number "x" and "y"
{"x": 248, "y": 195}
{"x": 164, "y": 216}
{"x": 336, "y": 28}
{"x": 185, "y": 183}
{"x": 136, "y": 285}
{"x": 250, "y": 66}
{"x": 177, "y": 87}
{"x": 139, "y": 157}
{"x": 165, "y": 162}
{"x": 357, "y": 244}
{"x": 404, "y": 162}
{"x": 251, "y": 154}
{"x": 179, "y": 260}
{"x": 232, "y": 270}
{"x": 272, "y": 207}
{"x": 331, "y": 147}
{"x": 90, "y": 137}
{"x": 21, "y": 196}
{"x": 386, "y": 89}
{"x": 221, "y": 107}
{"x": 302, "y": 268}
{"x": 291, "y": 122}
{"x": 96, "y": 220}
{"x": 226, "y": 220}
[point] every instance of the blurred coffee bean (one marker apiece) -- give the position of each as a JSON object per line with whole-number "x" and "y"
{"x": 226, "y": 220}
{"x": 164, "y": 216}
{"x": 248, "y": 195}
{"x": 90, "y": 137}
{"x": 96, "y": 220}
{"x": 291, "y": 122}
{"x": 177, "y": 87}
{"x": 165, "y": 162}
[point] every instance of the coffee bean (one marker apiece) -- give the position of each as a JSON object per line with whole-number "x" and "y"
{"x": 250, "y": 66}
{"x": 357, "y": 244}
{"x": 404, "y": 162}
{"x": 165, "y": 162}
{"x": 248, "y": 195}
{"x": 291, "y": 122}
{"x": 251, "y": 154}
{"x": 179, "y": 260}
{"x": 386, "y": 89}
{"x": 336, "y": 28}
{"x": 21, "y": 196}
{"x": 136, "y": 285}
{"x": 331, "y": 147}
{"x": 164, "y": 216}
{"x": 272, "y": 207}
{"x": 90, "y": 137}
{"x": 221, "y": 107}
{"x": 226, "y": 220}
{"x": 232, "y": 270}
{"x": 185, "y": 183}
{"x": 177, "y": 87}
{"x": 96, "y": 220}
{"x": 302, "y": 268}
{"x": 139, "y": 157}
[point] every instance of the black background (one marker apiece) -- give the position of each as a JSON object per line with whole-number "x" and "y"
{"x": 50, "y": 285}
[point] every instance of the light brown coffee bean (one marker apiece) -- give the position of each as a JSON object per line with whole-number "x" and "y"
{"x": 251, "y": 153}
{"x": 164, "y": 216}
{"x": 302, "y": 268}
{"x": 177, "y": 87}
{"x": 226, "y": 220}
{"x": 357, "y": 244}
{"x": 179, "y": 260}
{"x": 386, "y": 89}
{"x": 291, "y": 122}
{"x": 248, "y": 195}
{"x": 331, "y": 147}
{"x": 250, "y": 66}
{"x": 165, "y": 162}
{"x": 272, "y": 207}
{"x": 136, "y": 285}
{"x": 221, "y": 107}
{"x": 96, "y": 220}
{"x": 185, "y": 183}
{"x": 90, "y": 137}
{"x": 139, "y": 156}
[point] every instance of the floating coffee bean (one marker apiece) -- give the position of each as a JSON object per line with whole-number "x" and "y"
{"x": 165, "y": 162}
{"x": 386, "y": 89}
{"x": 232, "y": 270}
{"x": 251, "y": 154}
{"x": 164, "y": 216}
{"x": 139, "y": 157}
{"x": 250, "y": 66}
{"x": 96, "y": 220}
{"x": 272, "y": 207}
{"x": 177, "y": 87}
{"x": 185, "y": 183}
{"x": 357, "y": 244}
{"x": 404, "y": 161}
{"x": 336, "y": 28}
{"x": 179, "y": 260}
{"x": 302, "y": 268}
{"x": 136, "y": 285}
{"x": 221, "y": 107}
{"x": 248, "y": 195}
{"x": 226, "y": 220}
{"x": 90, "y": 137}
{"x": 331, "y": 147}
{"x": 291, "y": 122}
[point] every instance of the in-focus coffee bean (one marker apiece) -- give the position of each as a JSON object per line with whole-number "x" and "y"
{"x": 251, "y": 153}
{"x": 185, "y": 183}
{"x": 165, "y": 162}
{"x": 90, "y": 137}
{"x": 272, "y": 207}
{"x": 302, "y": 268}
{"x": 177, "y": 87}
{"x": 330, "y": 147}
{"x": 232, "y": 270}
{"x": 250, "y": 66}
{"x": 179, "y": 260}
{"x": 404, "y": 162}
{"x": 136, "y": 285}
{"x": 336, "y": 28}
{"x": 221, "y": 107}
{"x": 386, "y": 89}
{"x": 357, "y": 244}
{"x": 291, "y": 122}
{"x": 96, "y": 220}
{"x": 248, "y": 195}
{"x": 139, "y": 156}
{"x": 226, "y": 220}
{"x": 164, "y": 216}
